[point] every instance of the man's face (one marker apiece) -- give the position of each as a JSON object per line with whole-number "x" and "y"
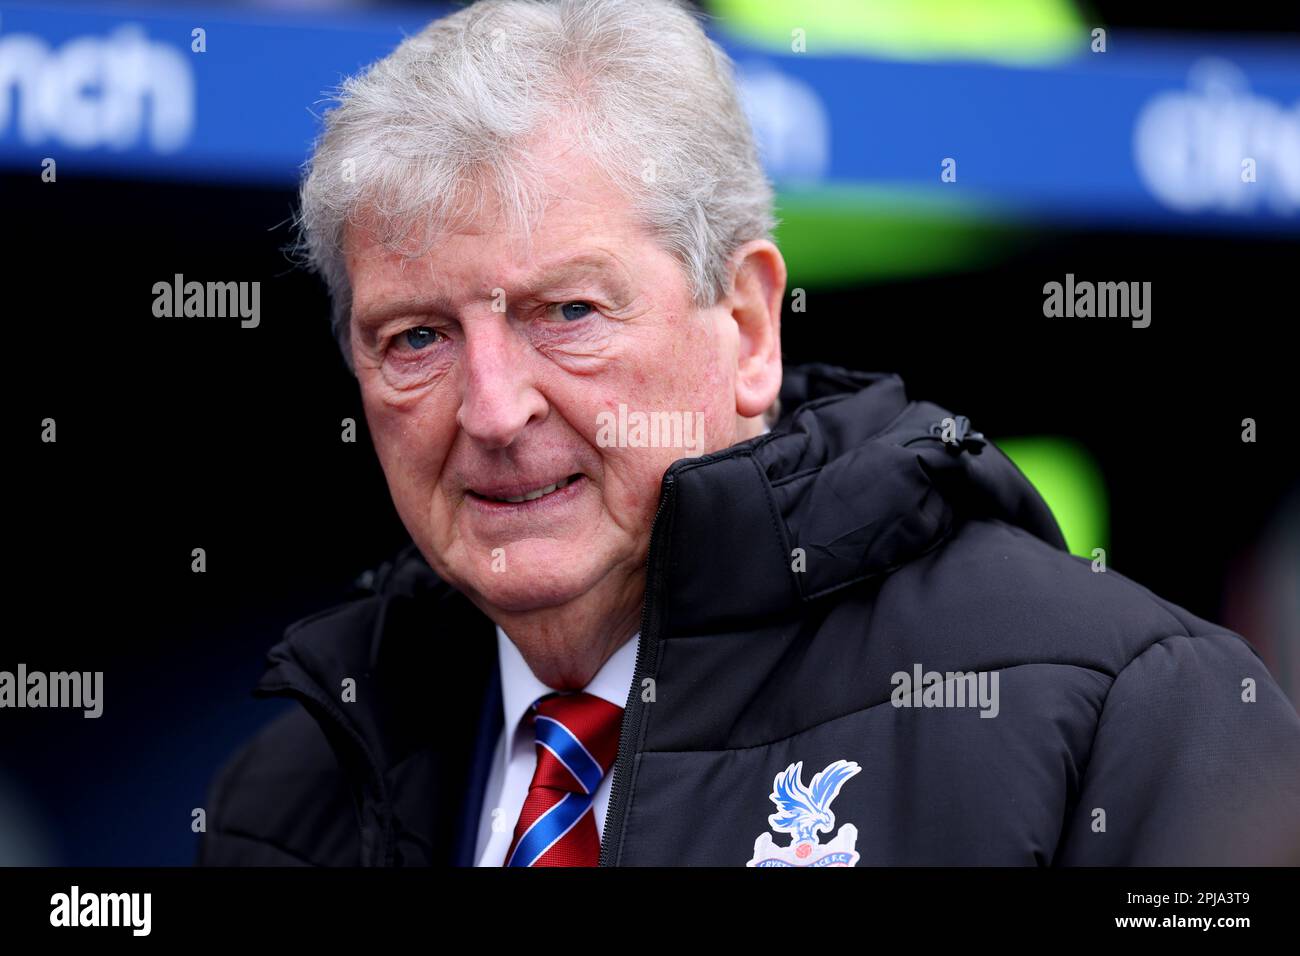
{"x": 485, "y": 368}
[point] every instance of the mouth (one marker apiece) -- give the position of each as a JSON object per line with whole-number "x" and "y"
{"x": 519, "y": 495}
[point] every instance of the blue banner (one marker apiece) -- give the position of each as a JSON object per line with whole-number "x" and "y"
{"x": 1150, "y": 132}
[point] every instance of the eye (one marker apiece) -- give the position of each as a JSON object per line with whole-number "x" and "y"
{"x": 573, "y": 311}
{"x": 421, "y": 336}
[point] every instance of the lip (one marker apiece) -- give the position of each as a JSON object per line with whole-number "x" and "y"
{"x": 476, "y": 497}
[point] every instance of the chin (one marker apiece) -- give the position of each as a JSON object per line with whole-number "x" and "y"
{"x": 535, "y": 578}
{"x": 521, "y": 594}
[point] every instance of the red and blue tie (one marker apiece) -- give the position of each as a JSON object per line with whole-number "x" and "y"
{"x": 577, "y": 741}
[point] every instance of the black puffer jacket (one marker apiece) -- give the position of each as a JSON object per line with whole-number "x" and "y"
{"x": 790, "y": 579}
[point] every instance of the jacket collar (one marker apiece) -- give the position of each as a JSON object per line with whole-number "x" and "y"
{"x": 854, "y": 481}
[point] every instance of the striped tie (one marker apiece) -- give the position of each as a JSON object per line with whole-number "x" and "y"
{"x": 577, "y": 740}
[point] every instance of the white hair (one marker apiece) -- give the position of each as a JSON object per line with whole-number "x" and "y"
{"x": 418, "y": 137}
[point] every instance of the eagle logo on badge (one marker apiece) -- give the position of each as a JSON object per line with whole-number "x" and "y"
{"x": 803, "y": 812}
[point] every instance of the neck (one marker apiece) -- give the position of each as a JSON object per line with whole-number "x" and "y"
{"x": 565, "y": 646}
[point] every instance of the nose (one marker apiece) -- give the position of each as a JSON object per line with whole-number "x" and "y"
{"x": 499, "y": 396}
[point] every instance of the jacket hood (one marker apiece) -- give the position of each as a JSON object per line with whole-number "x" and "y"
{"x": 853, "y": 482}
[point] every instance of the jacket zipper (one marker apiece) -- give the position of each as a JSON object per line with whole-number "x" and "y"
{"x": 616, "y": 810}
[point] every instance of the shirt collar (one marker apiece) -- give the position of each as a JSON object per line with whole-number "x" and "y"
{"x": 520, "y": 686}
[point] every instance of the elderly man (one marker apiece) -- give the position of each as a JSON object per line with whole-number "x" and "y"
{"x": 663, "y": 604}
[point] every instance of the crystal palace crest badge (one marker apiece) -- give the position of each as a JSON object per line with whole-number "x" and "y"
{"x": 803, "y": 812}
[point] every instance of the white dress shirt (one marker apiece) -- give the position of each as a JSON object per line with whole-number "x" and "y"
{"x": 515, "y": 759}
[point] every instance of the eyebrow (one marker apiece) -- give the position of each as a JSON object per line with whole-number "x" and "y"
{"x": 550, "y": 275}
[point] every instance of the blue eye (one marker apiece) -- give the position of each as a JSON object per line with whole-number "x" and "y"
{"x": 419, "y": 337}
{"x": 583, "y": 310}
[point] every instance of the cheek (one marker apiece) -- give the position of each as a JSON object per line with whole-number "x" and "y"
{"x": 700, "y": 378}
{"x": 678, "y": 359}
{"x": 411, "y": 441}
{"x": 631, "y": 487}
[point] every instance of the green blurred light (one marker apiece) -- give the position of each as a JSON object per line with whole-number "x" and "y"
{"x": 844, "y": 235}
{"x": 1014, "y": 32}
{"x": 1071, "y": 483}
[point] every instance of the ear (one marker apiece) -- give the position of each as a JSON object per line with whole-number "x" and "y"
{"x": 758, "y": 289}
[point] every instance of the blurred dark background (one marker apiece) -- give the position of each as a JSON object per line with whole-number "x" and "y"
{"x": 183, "y": 434}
